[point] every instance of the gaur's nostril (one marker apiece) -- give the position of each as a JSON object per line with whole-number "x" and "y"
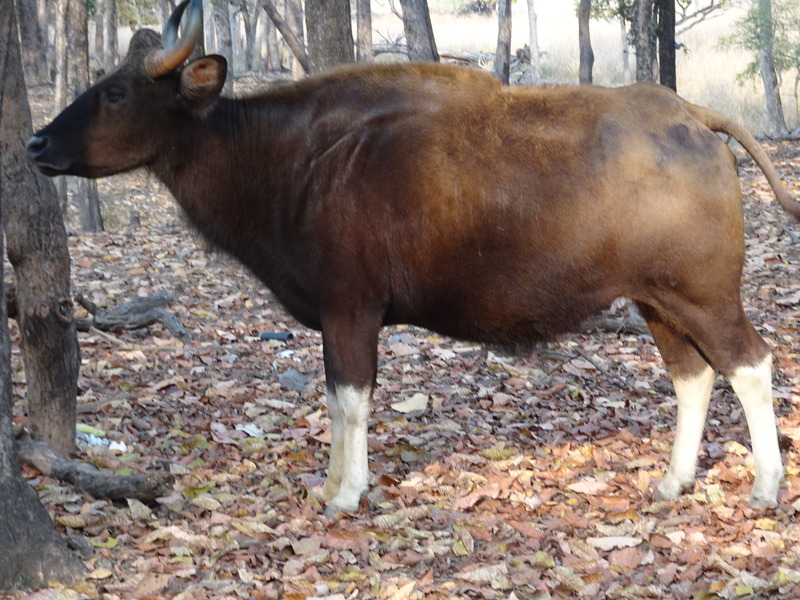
{"x": 37, "y": 145}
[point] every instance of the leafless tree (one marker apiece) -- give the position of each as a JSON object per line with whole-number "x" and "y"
{"x": 419, "y": 30}
{"x": 585, "y": 42}
{"x": 766, "y": 62}
{"x": 30, "y": 548}
{"x": 502, "y": 57}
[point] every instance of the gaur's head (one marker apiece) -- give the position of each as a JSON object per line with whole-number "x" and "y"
{"x": 122, "y": 121}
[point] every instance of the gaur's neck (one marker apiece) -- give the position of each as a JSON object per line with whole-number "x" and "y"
{"x": 239, "y": 175}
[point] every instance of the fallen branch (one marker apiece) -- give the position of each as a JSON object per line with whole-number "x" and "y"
{"x": 135, "y": 314}
{"x": 145, "y": 488}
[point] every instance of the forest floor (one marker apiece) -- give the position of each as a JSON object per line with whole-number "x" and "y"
{"x": 493, "y": 476}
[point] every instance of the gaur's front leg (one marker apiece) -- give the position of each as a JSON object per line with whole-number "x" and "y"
{"x": 350, "y": 349}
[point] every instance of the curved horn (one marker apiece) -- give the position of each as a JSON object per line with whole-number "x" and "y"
{"x": 176, "y": 50}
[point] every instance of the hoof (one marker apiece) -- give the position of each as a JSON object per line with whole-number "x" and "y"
{"x": 670, "y": 489}
{"x": 325, "y": 493}
{"x": 335, "y": 511}
{"x": 347, "y": 501}
{"x": 758, "y": 503}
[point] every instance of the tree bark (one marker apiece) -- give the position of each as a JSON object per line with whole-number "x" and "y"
{"x": 364, "y": 51}
{"x": 585, "y": 42}
{"x": 222, "y": 28}
{"x": 644, "y": 40}
{"x": 43, "y": 18}
{"x": 667, "y": 74}
{"x": 272, "y": 46}
{"x": 502, "y": 57}
{"x": 626, "y": 62}
{"x": 330, "y": 34}
{"x": 99, "y": 34}
{"x": 250, "y": 18}
{"x": 536, "y": 57}
{"x": 61, "y": 79}
{"x": 293, "y": 12}
{"x": 766, "y": 62}
{"x": 33, "y": 49}
{"x": 89, "y": 479}
{"x": 292, "y": 40}
{"x": 31, "y": 552}
{"x": 86, "y": 196}
{"x": 110, "y": 53}
{"x": 37, "y": 248}
{"x": 419, "y": 31}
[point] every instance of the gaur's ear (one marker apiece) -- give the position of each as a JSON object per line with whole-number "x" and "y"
{"x": 202, "y": 81}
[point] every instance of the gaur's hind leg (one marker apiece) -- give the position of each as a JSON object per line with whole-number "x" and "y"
{"x": 729, "y": 342}
{"x": 693, "y": 379}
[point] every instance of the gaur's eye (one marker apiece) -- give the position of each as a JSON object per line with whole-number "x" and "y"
{"x": 113, "y": 95}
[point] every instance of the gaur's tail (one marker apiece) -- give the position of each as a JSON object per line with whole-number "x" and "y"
{"x": 720, "y": 123}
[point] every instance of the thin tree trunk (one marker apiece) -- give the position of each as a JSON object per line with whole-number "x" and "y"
{"x": 292, "y": 40}
{"x": 110, "y": 53}
{"x": 419, "y": 30}
{"x": 37, "y": 248}
{"x": 502, "y": 57}
{"x": 667, "y": 74}
{"x": 99, "y": 34}
{"x": 30, "y": 549}
{"x": 536, "y": 57}
{"x": 330, "y": 34}
{"x": 222, "y": 29}
{"x": 273, "y": 52}
{"x": 250, "y": 18}
{"x": 61, "y": 79}
{"x": 644, "y": 38}
{"x": 34, "y": 47}
{"x": 585, "y": 42}
{"x": 86, "y": 196}
{"x": 626, "y": 52}
{"x": 364, "y": 50}
{"x": 766, "y": 62}
{"x": 294, "y": 12}
{"x": 209, "y": 33}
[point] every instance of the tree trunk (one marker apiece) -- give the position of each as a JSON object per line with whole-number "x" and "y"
{"x": 295, "y": 16}
{"x": 222, "y": 28}
{"x": 250, "y": 18}
{"x": 37, "y": 248}
{"x": 585, "y": 42}
{"x": 43, "y": 18}
{"x": 364, "y": 51}
{"x": 31, "y": 552}
{"x": 536, "y": 57}
{"x": 419, "y": 30}
{"x": 272, "y": 46}
{"x": 626, "y": 62}
{"x": 34, "y": 47}
{"x": 766, "y": 62}
{"x": 86, "y": 196}
{"x": 667, "y": 74}
{"x": 330, "y": 34}
{"x": 110, "y": 51}
{"x": 644, "y": 40}
{"x": 61, "y": 79}
{"x": 99, "y": 35}
{"x": 502, "y": 57}
{"x": 286, "y": 28}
